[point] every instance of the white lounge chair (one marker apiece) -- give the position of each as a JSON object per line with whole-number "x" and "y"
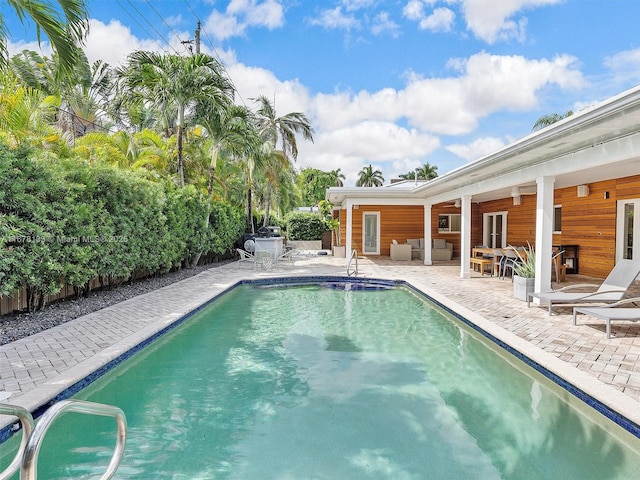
{"x": 611, "y": 313}
{"x": 611, "y": 290}
{"x": 287, "y": 257}
{"x": 245, "y": 257}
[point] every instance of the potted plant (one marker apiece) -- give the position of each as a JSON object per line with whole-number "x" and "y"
{"x": 333, "y": 224}
{"x": 524, "y": 273}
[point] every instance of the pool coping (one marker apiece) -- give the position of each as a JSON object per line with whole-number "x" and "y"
{"x": 611, "y": 403}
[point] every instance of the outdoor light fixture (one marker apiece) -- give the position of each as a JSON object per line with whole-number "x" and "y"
{"x": 583, "y": 190}
{"x": 457, "y": 204}
{"x": 516, "y": 195}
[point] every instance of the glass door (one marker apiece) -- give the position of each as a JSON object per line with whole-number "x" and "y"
{"x": 495, "y": 230}
{"x": 371, "y": 232}
{"x": 628, "y": 229}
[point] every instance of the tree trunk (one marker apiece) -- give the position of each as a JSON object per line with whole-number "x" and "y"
{"x": 265, "y": 222}
{"x": 249, "y": 213}
{"x": 180, "y": 161}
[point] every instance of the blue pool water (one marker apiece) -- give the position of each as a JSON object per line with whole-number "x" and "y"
{"x": 332, "y": 382}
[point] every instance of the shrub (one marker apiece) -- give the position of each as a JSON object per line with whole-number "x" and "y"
{"x": 305, "y": 226}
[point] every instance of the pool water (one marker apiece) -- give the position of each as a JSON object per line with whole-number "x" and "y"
{"x": 310, "y": 382}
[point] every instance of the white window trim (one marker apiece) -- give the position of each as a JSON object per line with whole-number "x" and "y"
{"x": 377, "y": 252}
{"x": 445, "y": 232}
{"x": 558, "y": 232}
{"x": 620, "y": 223}
{"x": 485, "y": 230}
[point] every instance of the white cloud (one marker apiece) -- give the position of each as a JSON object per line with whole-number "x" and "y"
{"x": 624, "y": 66}
{"x": 354, "y": 5}
{"x": 335, "y": 19}
{"x": 414, "y": 10}
{"x": 250, "y": 82}
{"x": 491, "y": 20}
{"x": 368, "y": 142}
{"x": 478, "y": 148}
{"x": 487, "y": 83}
{"x": 382, "y": 23}
{"x": 112, "y": 43}
{"x": 44, "y": 48}
{"x": 241, "y": 14}
{"x": 441, "y": 20}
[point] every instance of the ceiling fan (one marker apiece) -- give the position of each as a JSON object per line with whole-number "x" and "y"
{"x": 455, "y": 204}
{"x": 517, "y": 191}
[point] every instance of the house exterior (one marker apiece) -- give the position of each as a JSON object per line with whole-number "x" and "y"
{"x": 574, "y": 184}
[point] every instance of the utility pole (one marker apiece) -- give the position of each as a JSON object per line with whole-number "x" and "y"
{"x": 197, "y": 37}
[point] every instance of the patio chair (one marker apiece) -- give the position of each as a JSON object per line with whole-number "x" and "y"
{"x": 498, "y": 261}
{"x": 511, "y": 259}
{"x": 611, "y": 290}
{"x": 245, "y": 257}
{"x": 287, "y": 257}
{"x": 265, "y": 259}
{"x": 611, "y": 313}
{"x": 557, "y": 267}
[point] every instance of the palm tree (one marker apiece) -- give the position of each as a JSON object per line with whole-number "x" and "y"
{"x": 279, "y": 133}
{"x": 26, "y": 115}
{"x": 426, "y": 172}
{"x": 84, "y": 94}
{"x": 174, "y": 83}
{"x": 66, "y": 32}
{"x": 546, "y": 120}
{"x": 227, "y": 129}
{"x": 337, "y": 177}
{"x": 368, "y": 177}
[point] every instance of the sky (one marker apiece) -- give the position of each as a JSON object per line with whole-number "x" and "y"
{"x": 390, "y": 83}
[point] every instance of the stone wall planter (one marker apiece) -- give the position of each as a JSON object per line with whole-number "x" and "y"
{"x": 305, "y": 244}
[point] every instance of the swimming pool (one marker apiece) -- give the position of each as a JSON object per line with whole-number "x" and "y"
{"x": 327, "y": 381}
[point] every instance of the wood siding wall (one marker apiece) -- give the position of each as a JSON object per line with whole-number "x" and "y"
{"x": 588, "y": 222}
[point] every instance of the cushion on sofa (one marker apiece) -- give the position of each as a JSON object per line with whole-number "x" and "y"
{"x": 414, "y": 242}
{"x": 439, "y": 243}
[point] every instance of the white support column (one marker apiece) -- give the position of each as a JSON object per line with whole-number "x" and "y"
{"x": 427, "y": 235}
{"x": 465, "y": 237}
{"x": 349, "y": 232}
{"x": 544, "y": 233}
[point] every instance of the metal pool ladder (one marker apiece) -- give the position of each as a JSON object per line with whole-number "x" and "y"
{"x": 353, "y": 255}
{"x": 26, "y": 458}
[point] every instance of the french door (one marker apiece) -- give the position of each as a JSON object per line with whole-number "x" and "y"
{"x": 628, "y": 229}
{"x": 371, "y": 233}
{"x": 494, "y": 229}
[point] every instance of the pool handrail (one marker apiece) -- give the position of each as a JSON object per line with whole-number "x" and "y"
{"x": 26, "y": 420}
{"x": 29, "y": 466}
{"x": 352, "y": 255}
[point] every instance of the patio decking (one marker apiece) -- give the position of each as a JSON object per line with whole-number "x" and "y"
{"x": 35, "y": 369}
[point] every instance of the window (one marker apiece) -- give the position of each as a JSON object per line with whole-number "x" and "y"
{"x": 449, "y": 223}
{"x": 557, "y": 219}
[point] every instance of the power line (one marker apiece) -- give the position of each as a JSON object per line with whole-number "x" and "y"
{"x": 152, "y": 26}
{"x": 165, "y": 22}
{"x": 140, "y": 25}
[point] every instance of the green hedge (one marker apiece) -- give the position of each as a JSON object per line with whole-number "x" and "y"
{"x": 69, "y": 222}
{"x": 305, "y": 226}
